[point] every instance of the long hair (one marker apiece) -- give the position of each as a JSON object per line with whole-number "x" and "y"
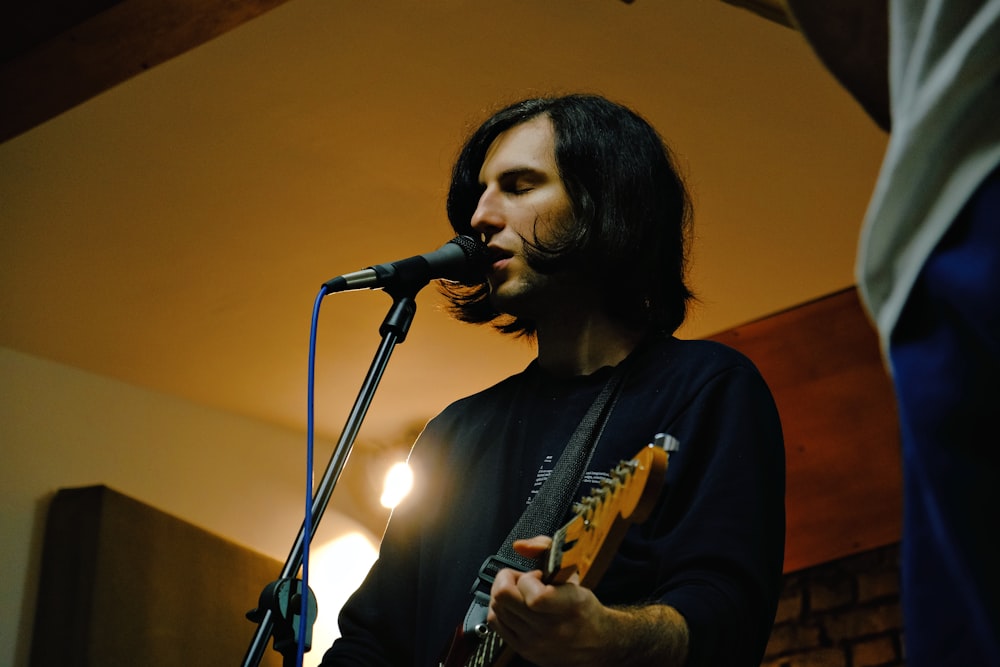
{"x": 631, "y": 210}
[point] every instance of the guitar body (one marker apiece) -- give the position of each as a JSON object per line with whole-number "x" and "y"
{"x": 472, "y": 650}
{"x": 586, "y": 545}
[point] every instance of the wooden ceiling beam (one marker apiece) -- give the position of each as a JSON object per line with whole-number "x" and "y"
{"x": 65, "y": 63}
{"x": 772, "y": 10}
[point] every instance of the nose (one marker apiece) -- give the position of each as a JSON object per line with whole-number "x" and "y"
{"x": 487, "y": 219}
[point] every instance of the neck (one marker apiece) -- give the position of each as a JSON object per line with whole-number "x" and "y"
{"x": 574, "y": 347}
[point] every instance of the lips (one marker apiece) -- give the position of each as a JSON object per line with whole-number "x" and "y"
{"x": 498, "y": 257}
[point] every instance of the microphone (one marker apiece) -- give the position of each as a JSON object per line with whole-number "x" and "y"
{"x": 462, "y": 259}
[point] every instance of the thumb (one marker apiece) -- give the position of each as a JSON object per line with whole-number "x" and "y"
{"x": 533, "y": 547}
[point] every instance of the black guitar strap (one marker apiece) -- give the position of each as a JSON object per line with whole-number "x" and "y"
{"x": 553, "y": 501}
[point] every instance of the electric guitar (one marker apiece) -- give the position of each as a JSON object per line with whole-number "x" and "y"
{"x": 585, "y": 545}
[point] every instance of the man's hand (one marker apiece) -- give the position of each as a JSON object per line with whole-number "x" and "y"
{"x": 565, "y": 625}
{"x": 548, "y": 625}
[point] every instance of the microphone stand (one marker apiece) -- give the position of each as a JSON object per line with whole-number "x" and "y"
{"x": 276, "y": 600}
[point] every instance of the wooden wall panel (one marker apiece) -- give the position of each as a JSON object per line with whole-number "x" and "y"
{"x": 124, "y": 584}
{"x": 838, "y": 413}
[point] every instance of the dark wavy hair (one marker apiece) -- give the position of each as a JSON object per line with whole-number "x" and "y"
{"x": 632, "y": 212}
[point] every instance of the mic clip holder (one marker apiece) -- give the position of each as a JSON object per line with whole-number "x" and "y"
{"x": 283, "y": 598}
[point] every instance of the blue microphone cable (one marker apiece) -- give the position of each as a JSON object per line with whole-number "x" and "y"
{"x": 310, "y": 439}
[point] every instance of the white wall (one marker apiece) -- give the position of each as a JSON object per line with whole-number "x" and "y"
{"x": 62, "y": 427}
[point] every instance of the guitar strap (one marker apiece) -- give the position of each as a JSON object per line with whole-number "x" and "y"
{"x": 545, "y": 513}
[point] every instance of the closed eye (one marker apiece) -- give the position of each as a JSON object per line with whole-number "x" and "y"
{"x": 520, "y": 181}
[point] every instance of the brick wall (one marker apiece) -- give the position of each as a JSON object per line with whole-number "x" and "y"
{"x": 840, "y": 614}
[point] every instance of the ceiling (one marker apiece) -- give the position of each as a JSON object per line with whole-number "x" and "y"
{"x": 171, "y": 200}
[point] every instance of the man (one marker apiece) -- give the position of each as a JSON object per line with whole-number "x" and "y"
{"x": 585, "y": 219}
{"x": 929, "y": 271}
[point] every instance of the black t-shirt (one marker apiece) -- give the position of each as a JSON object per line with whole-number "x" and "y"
{"x": 712, "y": 547}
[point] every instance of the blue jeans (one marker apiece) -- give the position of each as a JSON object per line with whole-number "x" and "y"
{"x": 945, "y": 355}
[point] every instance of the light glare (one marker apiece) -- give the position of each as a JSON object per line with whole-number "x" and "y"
{"x": 398, "y": 482}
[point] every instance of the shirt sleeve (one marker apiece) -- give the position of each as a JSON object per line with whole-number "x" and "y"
{"x": 718, "y": 536}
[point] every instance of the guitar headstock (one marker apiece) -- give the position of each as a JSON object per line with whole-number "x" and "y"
{"x": 588, "y": 542}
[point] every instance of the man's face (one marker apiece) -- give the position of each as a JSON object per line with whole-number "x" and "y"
{"x": 523, "y": 197}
